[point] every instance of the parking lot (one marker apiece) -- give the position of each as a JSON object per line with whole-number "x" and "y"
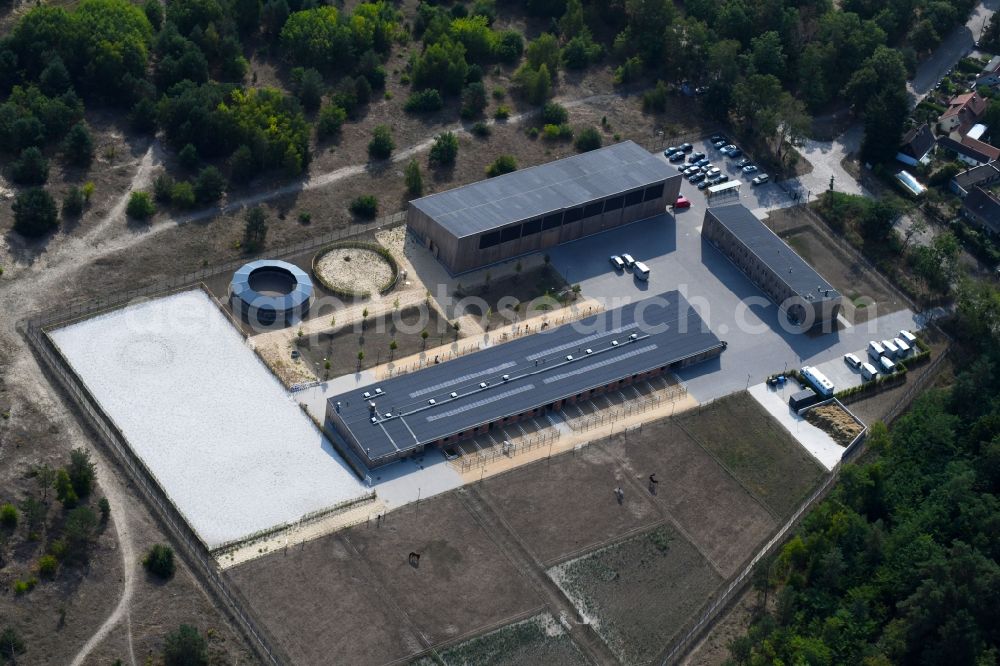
{"x": 732, "y": 306}
{"x": 758, "y": 198}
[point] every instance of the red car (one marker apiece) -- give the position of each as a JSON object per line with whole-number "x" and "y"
{"x": 682, "y": 202}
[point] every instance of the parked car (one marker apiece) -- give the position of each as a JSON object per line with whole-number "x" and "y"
{"x": 703, "y": 162}
{"x": 852, "y": 360}
{"x": 617, "y": 262}
{"x": 676, "y": 157}
{"x": 719, "y": 137}
{"x": 629, "y": 261}
{"x": 641, "y": 271}
{"x": 749, "y": 169}
{"x": 744, "y": 162}
{"x": 687, "y": 147}
{"x": 868, "y": 371}
{"x": 760, "y": 180}
{"x": 695, "y": 177}
{"x": 721, "y": 178}
{"x": 691, "y": 170}
{"x": 725, "y": 150}
{"x": 682, "y": 202}
{"x": 694, "y": 157}
{"x": 671, "y": 150}
{"x": 713, "y": 172}
{"x": 704, "y": 183}
{"x": 735, "y": 152}
{"x": 721, "y": 143}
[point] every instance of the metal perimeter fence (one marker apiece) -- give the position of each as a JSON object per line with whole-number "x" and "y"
{"x": 717, "y": 605}
{"x": 192, "y": 547}
{"x": 68, "y": 313}
{"x": 610, "y": 415}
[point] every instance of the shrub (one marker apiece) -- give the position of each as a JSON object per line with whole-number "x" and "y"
{"x": 655, "y": 99}
{"x": 554, "y": 114}
{"x": 381, "y": 145}
{"x": 307, "y": 85}
{"x": 182, "y": 195}
{"x": 445, "y": 149}
{"x": 8, "y": 515}
{"x": 79, "y": 145}
{"x": 499, "y": 93}
{"x": 557, "y": 132}
{"x": 503, "y": 164}
{"x": 81, "y": 471}
{"x": 481, "y": 129}
{"x": 365, "y": 207}
{"x": 185, "y": 647}
{"x": 140, "y": 206}
{"x": 331, "y": 119}
{"x": 209, "y": 185}
{"x": 46, "y": 566}
{"x": 473, "y": 100}
{"x": 629, "y": 71}
{"x": 255, "y": 231}
{"x": 104, "y": 506}
{"x": 424, "y": 101}
{"x": 159, "y": 561}
{"x": 188, "y": 157}
{"x": 502, "y": 112}
{"x": 414, "y": 179}
{"x": 509, "y": 46}
{"x": 11, "y": 644}
{"x": 163, "y": 186}
{"x": 34, "y": 213}
{"x": 25, "y": 586}
{"x": 588, "y": 138}
{"x": 73, "y": 203}
{"x": 31, "y": 168}
{"x": 79, "y": 532}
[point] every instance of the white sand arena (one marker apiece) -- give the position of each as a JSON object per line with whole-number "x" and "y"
{"x": 231, "y": 448}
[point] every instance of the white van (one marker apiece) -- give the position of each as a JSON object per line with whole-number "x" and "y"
{"x": 909, "y": 337}
{"x": 868, "y": 371}
{"x": 888, "y": 367}
{"x": 891, "y": 350}
{"x": 904, "y": 349}
{"x": 875, "y": 350}
{"x": 641, "y": 271}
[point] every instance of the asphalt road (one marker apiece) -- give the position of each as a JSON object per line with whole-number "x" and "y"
{"x": 959, "y": 43}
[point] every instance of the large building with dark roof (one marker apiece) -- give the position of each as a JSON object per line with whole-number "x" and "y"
{"x": 521, "y": 379}
{"x": 534, "y": 209}
{"x": 805, "y": 296}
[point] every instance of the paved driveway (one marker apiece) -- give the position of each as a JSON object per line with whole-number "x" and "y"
{"x": 732, "y": 306}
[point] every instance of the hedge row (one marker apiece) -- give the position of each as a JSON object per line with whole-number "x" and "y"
{"x": 358, "y": 245}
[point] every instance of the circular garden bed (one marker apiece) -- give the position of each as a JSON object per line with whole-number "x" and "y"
{"x": 355, "y": 270}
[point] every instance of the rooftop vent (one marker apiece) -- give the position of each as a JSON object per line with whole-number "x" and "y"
{"x": 374, "y": 420}
{"x": 378, "y": 391}
{"x": 388, "y": 415}
{"x": 569, "y": 357}
{"x": 366, "y": 395}
{"x": 590, "y": 351}
{"x": 614, "y": 343}
{"x": 454, "y": 395}
{"x": 432, "y": 401}
{"x": 634, "y": 336}
{"x": 506, "y": 377}
{"x": 483, "y": 384}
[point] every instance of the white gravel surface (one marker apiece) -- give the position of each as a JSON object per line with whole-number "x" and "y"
{"x": 354, "y": 269}
{"x": 227, "y": 443}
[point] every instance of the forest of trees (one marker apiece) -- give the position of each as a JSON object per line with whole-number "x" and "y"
{"x": 899, "y": 564}
{"x": 183, "y": 68}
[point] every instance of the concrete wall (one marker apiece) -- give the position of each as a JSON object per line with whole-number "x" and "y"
{"x": 460, "y": 255}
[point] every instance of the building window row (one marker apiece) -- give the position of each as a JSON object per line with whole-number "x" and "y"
{"x": 570, "y": 216}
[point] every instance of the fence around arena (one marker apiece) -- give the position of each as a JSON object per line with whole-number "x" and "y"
{"x": 612, "y": 414}
{"x": 509, "y": 449}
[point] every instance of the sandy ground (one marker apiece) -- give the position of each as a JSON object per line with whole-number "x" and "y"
{"x": 354, "y": 269}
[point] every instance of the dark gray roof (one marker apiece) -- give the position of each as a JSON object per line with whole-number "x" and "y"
{"x": 301, "y": 291}
{"x": 918, "y": 141}
{"x": 984, "y": 207}
{"x": 773, "y": 252}
{"x": 948, "y": 143}
{"x": 666, "y": 329}
{"x": 979, "y": 174}
{"x": 527, "y": 193}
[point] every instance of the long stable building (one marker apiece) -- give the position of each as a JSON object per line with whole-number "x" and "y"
{"x": 807, "y": 299}
{"x": 534, "y": 209}
{"x": 500, "y": 385}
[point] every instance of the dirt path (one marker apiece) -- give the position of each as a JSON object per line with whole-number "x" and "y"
{"x": 129, "y": 563}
